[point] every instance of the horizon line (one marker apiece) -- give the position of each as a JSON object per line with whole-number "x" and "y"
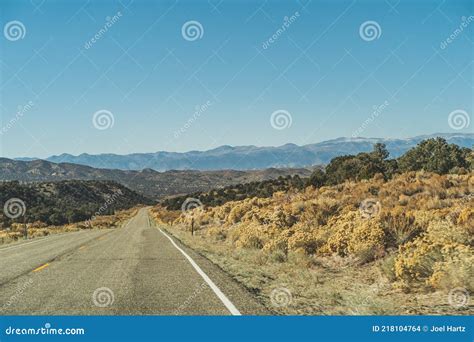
{"x": 237, "y": 146}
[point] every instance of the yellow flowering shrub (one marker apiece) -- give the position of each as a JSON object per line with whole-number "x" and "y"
{"x": 350, "y": 234}
{"x": 442, "y": 257}
{"x": 425, "y": 224}
{"x": 306, "y": 240}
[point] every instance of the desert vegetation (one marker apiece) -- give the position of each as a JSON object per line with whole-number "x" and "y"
{"x": 40, "y": 209}
{"x": 147, "y": 182}
{"x": 64, "y": 202}
{"x": 261, "y": 189}
{"x": 367, "y": 235}
{"x": 18, "y": 231}
{"x": 432, "y": 155}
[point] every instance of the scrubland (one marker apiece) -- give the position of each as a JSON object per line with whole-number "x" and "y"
{"x": 377, "y": 246}
{"x": 36, "y": 229}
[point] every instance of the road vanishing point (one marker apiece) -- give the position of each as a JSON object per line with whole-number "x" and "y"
{"x": 137, "y": 269}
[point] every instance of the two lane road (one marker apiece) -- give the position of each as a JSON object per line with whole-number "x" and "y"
{"x": 134, "y": 270}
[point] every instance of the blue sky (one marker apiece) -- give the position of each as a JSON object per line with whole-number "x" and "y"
{"x": 320, "y": 71}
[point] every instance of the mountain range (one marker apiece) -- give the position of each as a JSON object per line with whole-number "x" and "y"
{"x": 217, "y": 168}
{"x": 252, "y": 157}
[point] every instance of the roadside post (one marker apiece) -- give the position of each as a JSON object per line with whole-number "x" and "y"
{"x": 25, "y": 227}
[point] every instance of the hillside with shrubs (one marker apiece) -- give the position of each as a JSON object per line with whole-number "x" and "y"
{"x": 64, "y": 202}
{"x": 261, "y": 189}
{"x": 367, "y": 235}
{"x": 17, "y": 231}
{"x": 433, "y": 155}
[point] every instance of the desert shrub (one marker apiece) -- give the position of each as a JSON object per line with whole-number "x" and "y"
{"x": 403, "y": 200}
{"x": 282, "y": 218}
{"x": 248, "y": 236}
{"x": 350, "y": 234}
{"x": 305, "y": 240}
{"x": 456, "y": 269}
{"x": 166, "y": 216}
{"x": 279, "y": 243}
{"x": 320, "y": 210}
{"x": 250, "y": 241}
{"x": 417, "y": 260}
{"x": 238, "y": 211}
{"x": 217, "y": 232}
{"x": 436, "y": 203}
{"x": 466, "y": 217}
{"x": 440, "y": 257}
{"x": 34, "y": 232}
{"x": 399, "y": 228}
{"x": 338, "y": 231}
{"x": 387, "y": 266}
{"x": 367, "y": 241}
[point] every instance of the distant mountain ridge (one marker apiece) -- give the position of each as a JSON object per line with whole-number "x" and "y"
{"x": 252, "y": 157}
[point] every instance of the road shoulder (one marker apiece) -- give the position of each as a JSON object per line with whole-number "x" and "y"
{"x": 240, "y": 296}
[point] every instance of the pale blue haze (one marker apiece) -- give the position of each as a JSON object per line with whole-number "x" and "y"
{"x": 153, "y": 89}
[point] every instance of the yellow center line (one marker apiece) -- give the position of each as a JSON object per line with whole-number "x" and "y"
{"x": 82, "y": 247}
{"x": 41, "y": 267}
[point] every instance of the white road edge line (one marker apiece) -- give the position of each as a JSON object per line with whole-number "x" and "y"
{"x": 228, "y": 304}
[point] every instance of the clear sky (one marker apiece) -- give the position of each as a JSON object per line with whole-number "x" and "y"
{"x": 321, "y": 70}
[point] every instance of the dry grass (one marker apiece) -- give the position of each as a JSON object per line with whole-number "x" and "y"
{"x": 400, "y": 252}
{"x": 39, "y": 229}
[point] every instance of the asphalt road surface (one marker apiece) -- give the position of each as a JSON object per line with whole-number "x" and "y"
{"x": 134, "y": 270}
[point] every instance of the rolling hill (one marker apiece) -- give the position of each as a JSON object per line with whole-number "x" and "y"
{"x": 148, "y": 182}
{"x": 65, "y": 201}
